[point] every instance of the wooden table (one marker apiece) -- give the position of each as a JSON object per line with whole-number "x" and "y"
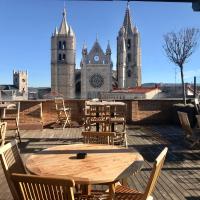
{"x": 107, "y": 103}
{"x": 113, "y": 108}
{"x": 103, "y": 164}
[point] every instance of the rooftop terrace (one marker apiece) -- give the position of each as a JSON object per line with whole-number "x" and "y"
{"x": 180, "y": 177}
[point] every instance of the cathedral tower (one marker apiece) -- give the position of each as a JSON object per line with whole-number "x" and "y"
{"x": 128, "y": 54}
{"x": 20, "y": 81}
{"x": 63, "y": 55}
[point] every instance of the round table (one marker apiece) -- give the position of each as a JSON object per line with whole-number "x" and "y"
{"x": 103, "y": 163}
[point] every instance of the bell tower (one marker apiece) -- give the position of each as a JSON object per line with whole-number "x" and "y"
{"x": 128, "y": 54}
{"x": 63, "y": 55}
{"x": 20, "y": 81}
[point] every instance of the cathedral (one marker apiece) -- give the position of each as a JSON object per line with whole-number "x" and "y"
{"x": 96, "y": 74}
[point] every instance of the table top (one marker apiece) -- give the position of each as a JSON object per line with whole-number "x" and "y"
{"x": 107, "y": 103}
{"x": 4, "y": 105}
{"x": 103, "y": 163}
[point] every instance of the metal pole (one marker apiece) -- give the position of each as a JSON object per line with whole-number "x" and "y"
{"x": 195, "y": 86}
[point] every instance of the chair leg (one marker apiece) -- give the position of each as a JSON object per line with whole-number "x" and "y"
{"x": 17, "y": 131}
{"x": 64, "y": 124}
{"x": 125, "y": 140}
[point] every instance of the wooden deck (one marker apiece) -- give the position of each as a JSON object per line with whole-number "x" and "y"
{"x": 180, "y": 177}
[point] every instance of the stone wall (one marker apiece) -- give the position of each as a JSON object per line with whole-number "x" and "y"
{"x": 33, "y": 116}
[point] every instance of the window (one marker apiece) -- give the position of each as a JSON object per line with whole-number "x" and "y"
{"x": 129, "y": 73}
{"x": 59, "y": 45}
{"x": 63, "y": 57}
{"x": 129, "y": 57}
{"x": 129, "y": 43}
{"x": 64, "y": 45}
{"x": 59, "y": 56}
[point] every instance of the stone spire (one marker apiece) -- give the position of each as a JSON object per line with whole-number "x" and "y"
{"x": 108, "y": 49}
{"x": 71, "y": 32}
{"x": 84, "y": 49}
{"x": 127, "y": 24}
{"x": 56, "y": 31}
{"x": 64, "y": 27}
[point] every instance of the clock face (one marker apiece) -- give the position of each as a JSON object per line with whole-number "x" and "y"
{"x": 96, "y": 58}
{"x": 96, "y": 81}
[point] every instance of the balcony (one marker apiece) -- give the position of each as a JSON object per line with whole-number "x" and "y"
{"x": 149, "y": 128}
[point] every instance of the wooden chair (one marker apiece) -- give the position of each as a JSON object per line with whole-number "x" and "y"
{"x": 125, "y": 193}
{"x": 3, "y": 126}
{"x": 99, "y": 116}
{"x": 91, "y": 137}
{"x": 121, "y": 139}
{"x": 118, "y": 123}
{"x": 118, "y": 117}
{"x": 11, "y": 163}
{"x": 63, "y": 113}
{"x": 12, "y": 114}
{"x": 193, "y": 135}
{"x": 46, "y": 188}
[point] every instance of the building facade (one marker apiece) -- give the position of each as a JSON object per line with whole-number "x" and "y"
{"x": 128, "y": 54}
{"x": 96, "y": 71}
{"x": 63, "y": 60}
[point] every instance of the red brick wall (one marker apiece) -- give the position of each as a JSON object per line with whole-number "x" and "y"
{"x": 138, "y": 112}
{"x": 152, "y": 111}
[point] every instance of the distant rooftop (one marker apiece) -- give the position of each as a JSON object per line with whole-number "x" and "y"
{"x": 136, "y": 90}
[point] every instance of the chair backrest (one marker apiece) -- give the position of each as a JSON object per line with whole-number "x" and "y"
{"x": 3, "y": 126}
{"x": 91, "y": 137}
{"x": 158, "y": 164}
{"x": 11, "y": 162}
{"x": 43, "y": 187}
{"x": 185, "y": 123}
{"x": 59, "y": 102}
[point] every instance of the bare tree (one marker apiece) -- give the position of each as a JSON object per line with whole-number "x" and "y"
{"x": 179, "y": 47}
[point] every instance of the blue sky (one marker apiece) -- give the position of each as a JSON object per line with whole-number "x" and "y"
{"x": 27, "y": 25}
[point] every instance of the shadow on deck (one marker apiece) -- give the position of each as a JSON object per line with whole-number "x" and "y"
{"x": 180, "y": 177}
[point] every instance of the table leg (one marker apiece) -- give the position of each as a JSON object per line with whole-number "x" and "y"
{"x": 86, "y": 189}
{"x": 111, "y": 191}
{"x": 97, "y": 124}
{"x": 112, "y": 124}
{"x": 41, "y": 114}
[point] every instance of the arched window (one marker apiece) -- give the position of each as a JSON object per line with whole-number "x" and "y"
{"x": 129, "y": 57}
{"x": 59, "y": 56}
{"x": 59, "y": 45}
{"x": 129, "y": 73}
{"x": 129, "y": 43}
{"x": 64, "y": 45}
{"x": 63, "y": 57}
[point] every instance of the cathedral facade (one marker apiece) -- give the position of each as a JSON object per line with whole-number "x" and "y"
{"x": 96, "y": 74}
{"x": 96, "y": 71}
